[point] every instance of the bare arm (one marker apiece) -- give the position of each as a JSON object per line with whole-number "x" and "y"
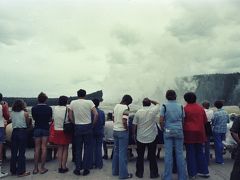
{"x": 161, "y": 122}
{"x": 134, "y": 127}
{"x": 154, "y": 102}
{"x": 235, "y": 137}
{"x": 71, "y": 115}
{"x": 27, "y": 119}
{"x": 95, "y": 115}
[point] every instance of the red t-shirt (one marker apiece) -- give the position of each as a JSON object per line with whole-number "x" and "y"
{"x": 194, "y": 124}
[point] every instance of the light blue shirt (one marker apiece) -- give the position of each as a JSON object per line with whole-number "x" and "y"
{"x": 173, "y": 115}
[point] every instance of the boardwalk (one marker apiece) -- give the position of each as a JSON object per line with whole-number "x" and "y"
{"x": 217, "y": 172}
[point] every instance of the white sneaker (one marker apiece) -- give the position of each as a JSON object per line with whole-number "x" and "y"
{"x": 204, "y": 175}
{"x": 3, "y": 174}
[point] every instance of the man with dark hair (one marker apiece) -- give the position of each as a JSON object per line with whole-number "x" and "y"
{"x": 144, "y": 123}
{"x": 195, "y": 137}
{"x": 98, "y": 133}
{"x": 171, "y": 121}
{"x": 42, "y": 114}
{"x": 80, "y": 114}
{"x": 81, "y": 93}
{"x": 219, "y": 123}
{"x": 4, "y": 117}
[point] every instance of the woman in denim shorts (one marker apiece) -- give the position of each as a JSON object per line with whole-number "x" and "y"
{"x": 42, "y": 114}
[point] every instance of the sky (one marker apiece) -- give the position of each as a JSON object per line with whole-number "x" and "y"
{"x": 135, "y": 47}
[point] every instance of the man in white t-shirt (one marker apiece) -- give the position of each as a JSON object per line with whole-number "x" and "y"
{"x": 145, "y": 123}
{"x": 80, "y": 113}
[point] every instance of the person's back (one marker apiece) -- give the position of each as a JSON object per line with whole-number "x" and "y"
{"x": 220, "y": 121}
{"x": 146, "y": 124}
{"x": 174, "y": 115}
{"x": 82, "y": 110}
{"x": 98, "y": 129}
{"x": 195, "y": 119}
{"x": 42, "y": 114}
{"x": 119, "y": 110}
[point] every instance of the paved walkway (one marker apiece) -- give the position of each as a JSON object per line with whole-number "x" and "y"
{"x": 217, "y": 172}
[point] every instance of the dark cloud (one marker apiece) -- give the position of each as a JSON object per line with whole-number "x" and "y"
{"x": 125, "y": 36}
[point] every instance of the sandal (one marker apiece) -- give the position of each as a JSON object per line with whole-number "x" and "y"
{"x": 35, "y": 171}
{"x": 24, "y": 174}
{"x": 44, "y": 171}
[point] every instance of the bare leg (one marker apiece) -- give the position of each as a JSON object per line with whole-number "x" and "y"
{"x": 60, "y": 156}
{"x": 65, "y": 156}
{"x": 44, "y": 153}
{"x": 36, "y": 153}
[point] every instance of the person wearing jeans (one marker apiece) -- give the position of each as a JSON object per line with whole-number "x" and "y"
{"x": 121, "y": 135}
{"x": 171, "y": 121}
{"x": 19, "y": 139}
{"x": 195, "y": 137}
{"x": 219, "y": 123}
{"x": 98, "y": 133}
{"x": 80, "y": 113}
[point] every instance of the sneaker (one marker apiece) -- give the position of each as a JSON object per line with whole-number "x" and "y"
{"x": 3, "y": 174}
{"x": 192, "y": 177}
{"x": 76, "y": 172}
{"x": 86, "y": 172}
{"x": 203, "y": 175}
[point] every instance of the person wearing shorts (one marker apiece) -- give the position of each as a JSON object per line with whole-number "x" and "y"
{"x": 42, "y": 114}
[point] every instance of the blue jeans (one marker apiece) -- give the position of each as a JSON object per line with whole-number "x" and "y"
{"x": 83, "y": 137}
{"x": 207, "y": 150}
{"x": 119, "y": 161}
{"x": 196, "y": 159}
{"x": 169, "y": 143}
{"x": 97, "y": 150}
{"x": 18, "y": 147}
{"x": 218, "y": 138}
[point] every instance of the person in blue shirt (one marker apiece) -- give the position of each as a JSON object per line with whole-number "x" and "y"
{"x": 171, "y": 121}
{"x": 219, "y": 123}
{"x": 98, "y": 133}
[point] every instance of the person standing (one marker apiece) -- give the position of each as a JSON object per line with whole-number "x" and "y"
{"x": 42, "y": 114}
{"x": 195, "y": 137}
{"x": 98, "y": 133}
{"x": 144, "y": 123}
{"x": 4, "y": 117}
{"x": 171, "y": 121}
{"x": 80, "y": 113}
{"x": 120, "y": 134}
{"x": 219, "y": 123}
{"x": 235, "y": 131}
{"x": 208, "y": 127}
{"x": 60, "y": 115}
{"x": 108, "y": 135}
{"x": 20, "y": 119}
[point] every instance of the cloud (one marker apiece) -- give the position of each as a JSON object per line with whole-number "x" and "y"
{"x": 135, "y": 47}
{"x": 125, "y": 36}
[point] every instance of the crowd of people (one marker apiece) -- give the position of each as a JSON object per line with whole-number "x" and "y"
{"x": 190, "y": 125}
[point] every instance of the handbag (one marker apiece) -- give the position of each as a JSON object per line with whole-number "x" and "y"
{"x": 51, "y": 133}
{"x": 68, "y": 126}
